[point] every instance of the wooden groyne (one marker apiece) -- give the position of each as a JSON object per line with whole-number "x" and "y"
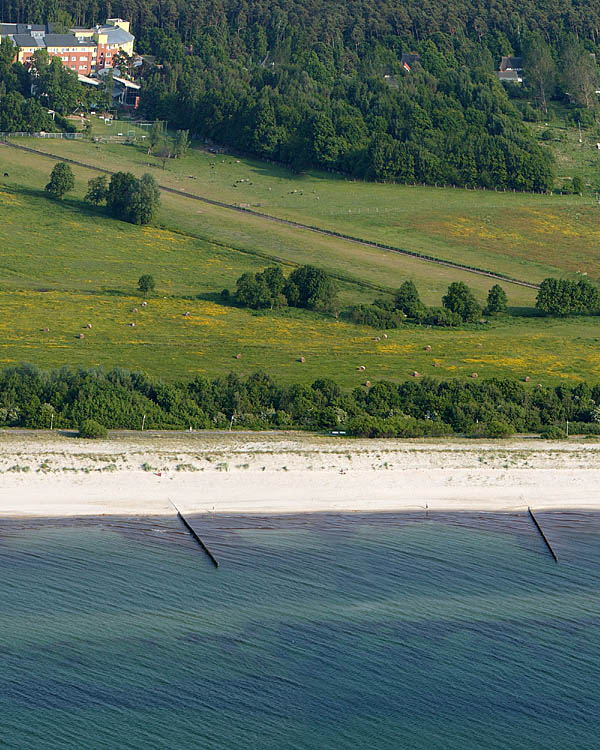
{"x": 188, "y": 526}
{"x": 544, "y": 537}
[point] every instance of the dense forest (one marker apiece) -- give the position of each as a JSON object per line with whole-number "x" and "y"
{"x": 319, "y": 82}
{"x": 119, "y": 399}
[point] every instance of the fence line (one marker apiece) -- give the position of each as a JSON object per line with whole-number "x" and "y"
{"x": 309, "y": 227}
{"x": 73, "y": 137}
{"x": 42, "y": 134}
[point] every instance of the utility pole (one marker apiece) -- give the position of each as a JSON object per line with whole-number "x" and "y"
{"x": 143, "y": 422}
{"x": 567, "y": 428}
{"x": 579, "y": 123}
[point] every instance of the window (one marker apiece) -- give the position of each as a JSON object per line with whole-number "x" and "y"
{"x": 73, "y": 59}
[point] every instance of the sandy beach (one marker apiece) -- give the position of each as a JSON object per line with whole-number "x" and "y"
{"x": 47, "y": 474}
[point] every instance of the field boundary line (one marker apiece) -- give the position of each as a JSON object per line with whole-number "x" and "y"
{"x": 299, "y": 225}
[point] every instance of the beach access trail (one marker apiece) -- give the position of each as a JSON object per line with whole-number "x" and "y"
{"x": 46, "y": 474}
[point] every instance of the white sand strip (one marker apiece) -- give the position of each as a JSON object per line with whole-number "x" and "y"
{"x": 44, "y": 474}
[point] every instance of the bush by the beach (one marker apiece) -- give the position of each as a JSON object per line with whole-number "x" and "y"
{"x": 584, "y": 428}
{"x": 553, "y": 432}
{"x": 402, "y": 426}
{"x": 494, "y": 429}
{"x": 89, "y": 428}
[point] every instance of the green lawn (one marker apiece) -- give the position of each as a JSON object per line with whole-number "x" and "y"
{"x": 64, "y": 265}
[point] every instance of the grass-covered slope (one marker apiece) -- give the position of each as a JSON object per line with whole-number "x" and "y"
{"x": 518, "y": 234}
{"x": 63, "y": 265}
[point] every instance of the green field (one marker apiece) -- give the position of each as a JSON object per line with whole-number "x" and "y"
{"x": 384, "y": 270}
{"x": 64, "y": 265}
{"x": 521, "y": 235}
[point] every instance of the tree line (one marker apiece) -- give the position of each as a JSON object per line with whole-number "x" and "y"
{"x": 318, "y": 83}
{"x": 119, "y": 399}
{"x": 459, "y": 306}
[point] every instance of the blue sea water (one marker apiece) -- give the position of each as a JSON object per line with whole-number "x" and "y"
{"x": 316, "y": 632}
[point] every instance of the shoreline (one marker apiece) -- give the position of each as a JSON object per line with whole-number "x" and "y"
{"x": 47, "y": 475}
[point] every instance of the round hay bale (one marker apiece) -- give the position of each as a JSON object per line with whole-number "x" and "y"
{"x": 132, "y": 325}
{"x": 415, "y": 374}
{"x": 527, "y": 378}
{"x": 135, "y": 309}
{"x": 377, "y": 338}
{"x": 427, "y": 348}
{"x": 89, "y": 325}
{"x": 144, "y": 304}
{"x": 186, "y": 314}
{"x": 238, "y": 356}
{"x": 368, "y": 383}
{"x": 46, "y": 330}
{"x": 479, "y": 346}
{"x": 81, "y": 336}
{"x": 385, "y": 335}
{"x": 474, "y": 375}
{"x": 301, "y": 359}
{"x": 436, "y": 364}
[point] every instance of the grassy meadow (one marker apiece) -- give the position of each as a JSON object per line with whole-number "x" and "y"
{"x": 522, "y": 235}
{"x": 264, "y": 240}
{"x": 64, "y": 265}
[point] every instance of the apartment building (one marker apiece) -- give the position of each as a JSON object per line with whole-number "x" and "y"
{"x": 85, "y": 51}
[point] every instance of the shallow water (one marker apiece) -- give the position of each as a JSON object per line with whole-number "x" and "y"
{"x": 328, "y": 631}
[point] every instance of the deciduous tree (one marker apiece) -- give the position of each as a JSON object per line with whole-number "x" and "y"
{"x": 61, "y": 180}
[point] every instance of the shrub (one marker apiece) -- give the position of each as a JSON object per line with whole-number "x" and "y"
{"x": 496, "y": 300}
{"x": 407, "y": 299}
{"x": 401, "y": 426}
{"x": 553, "y": 432}
{"x": 146, "y": 284}
{"x": 440, "y": 316}
{"x": 309, "y": 287}
{"x": 564, "y": 297}
{"x": 460, "y": 299}
{"x": 131, "y": 199}
{"x": 61, "y": 180}
{"x": 584, "y": 428}
{"x": 91, "y": 429}
{"x": 376, "y": 316}
{"x": 261, "y": 290}
{"x": 498, "y": 428}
